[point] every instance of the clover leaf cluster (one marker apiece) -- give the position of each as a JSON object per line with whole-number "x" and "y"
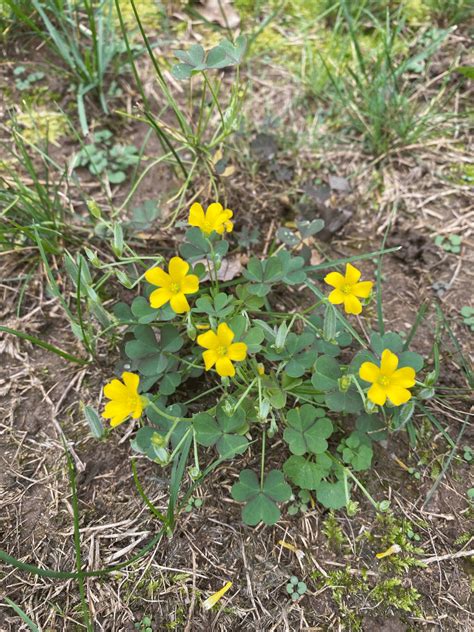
{"x": 225, "y": 369}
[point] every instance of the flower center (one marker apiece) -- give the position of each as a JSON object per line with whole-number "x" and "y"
{"x": 132, "y": 402}
{"x": 207, "y": 227}
{"x": 346, "y": 288}
{"x": 175, "y": 288}
{"x": 221, "y": 351}
{"x": 384, "y": 381}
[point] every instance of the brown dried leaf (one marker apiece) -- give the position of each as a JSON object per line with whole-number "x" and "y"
{"x": 221, "y": 12}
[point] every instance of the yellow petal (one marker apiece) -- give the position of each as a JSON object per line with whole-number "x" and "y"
{"x": 178, "y": 269}
{"x": 219, "y": 228}
{"x": 362, "y": 290}
{"x": 190, "y": 284}
{"x": 131, "y": 381}
{"x": 196, "y": 215}
{"x": 159, "y": 297}
{"x": 213, "y": 599}
{"x": 115, "y": 409}
{"x": 395, "y": 548}
{"x": 224, "y": 367}
{"x": 369, "y": 372}
{"x": 225, "y": 334}
{"x": 335, "y": 279}
{"x": 336, "y": 297}
{"x": 229, "y": 226}
{"x": 237, "y": 351}
{"x": 398, "y": 395}
{"x": 404, "y": 377}
{"x": 119, "y": 419}
{"x": 209, "y": 340}
{"x": 137, "y": 411}
{"x": 179, "y": 303}
{"x": 389, "y": 362}
{"x": 352, "y": 274}
{"x": 210, "y": 358}
{"x": 157, "y": 276}
{"x": 115, "y": 390}
{"x": 213, "y": 212}
{"x": 352, "y": 305}
{"x": 377, "y": 394}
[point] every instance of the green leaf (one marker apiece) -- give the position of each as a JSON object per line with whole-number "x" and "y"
{"x": 305, "y": 473}
{"x": 329, "y": 327}
{"x": 373, "y": 426}
{"x": 292, "y": 268}
{"x": 307, "y": 430}
{"x": 116, "y": 177}
{"x": 218, "y": 306}
{"x": 308, "y": 229}
{"x": 348, "y": 402}
{"x": 94, "y": 421}
{"x": 467, "y": 71}
{"x": 332, "y": 495}
{"x": 142, "y": 311}
{"x": 357, "y": 451}
{"x": 224, "y": 431}
{"x": 261, "y": 501}
{"x": 390, "y": 340}
{"x": 287, "y": 236}
{"x": 326, "y": 373}
{"x": 253, "y": 339}
{"x": 410, "y": 358}
{"x": 169, "y": 383}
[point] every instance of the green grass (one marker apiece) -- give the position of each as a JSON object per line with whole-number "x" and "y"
{"x": 373, "y": 83}
{"x": 83, "y": 36}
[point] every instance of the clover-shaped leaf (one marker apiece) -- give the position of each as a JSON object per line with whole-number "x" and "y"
{"x": 261, "y": 500}
{"x": 226, "y": 53}
{"x": 263, "y": 274}
{"x": 305, "y": 473}
{"x": 307, "y": 430}
{"x": 194, "y": 59}
{"x": 357, "y": 450}
{"x": 224, "y": 431}
{"x": 149, "y": 356}
{"x": 297, "y": 352}
{"x": 292, "y": 267}
{"x": 218, "y": 306}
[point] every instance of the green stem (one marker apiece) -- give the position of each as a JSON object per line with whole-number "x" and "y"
{"x": 262, "y": 460}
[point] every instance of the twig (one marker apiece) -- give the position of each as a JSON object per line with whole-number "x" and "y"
{"x": 448, "y": 556}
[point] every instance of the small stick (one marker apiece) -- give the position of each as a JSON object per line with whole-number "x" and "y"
{"x": 448, "y": 556}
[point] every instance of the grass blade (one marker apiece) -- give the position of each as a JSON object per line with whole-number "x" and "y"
{"x": 24, "y": 617}
{"x": 43, "y": 345}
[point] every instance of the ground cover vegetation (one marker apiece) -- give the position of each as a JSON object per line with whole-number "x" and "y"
{"x": 236, "y": 318}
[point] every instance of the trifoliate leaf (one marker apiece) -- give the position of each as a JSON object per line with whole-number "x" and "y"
{"x": 307, "y": 430}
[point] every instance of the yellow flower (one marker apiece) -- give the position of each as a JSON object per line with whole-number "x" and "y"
{"x": 173, "y": 285}
{"x": 125, "y": 400}
{"x": 221, "y": 351}
{"x": 348, "y": 290}
{"x": 387, "y": 381}
{"x": 213, "y": 599}
{"x": 215, "y": 219}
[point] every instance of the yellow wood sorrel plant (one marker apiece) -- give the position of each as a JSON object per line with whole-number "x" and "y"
{"x": 254, "y": 374}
